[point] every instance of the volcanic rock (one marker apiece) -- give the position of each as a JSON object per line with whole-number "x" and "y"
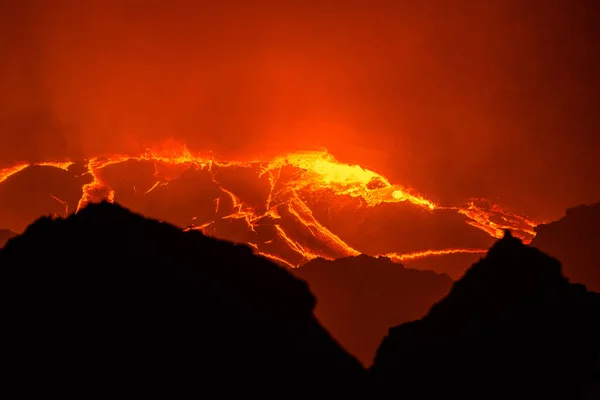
{"x": 512, "y": 327}
{"x": 108, "y": 301}
{"x": 359, "y": 298}
{"x": 574, "y": 240}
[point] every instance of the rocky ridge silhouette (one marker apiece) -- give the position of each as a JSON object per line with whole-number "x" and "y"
{"x": 513, "y": 326}
{"x": 106, "y": 301}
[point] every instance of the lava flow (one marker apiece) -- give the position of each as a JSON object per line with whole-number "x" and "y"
{"x": 283, "y": 225}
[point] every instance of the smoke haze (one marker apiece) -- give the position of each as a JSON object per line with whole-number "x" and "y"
{"x": 487, "y": 99}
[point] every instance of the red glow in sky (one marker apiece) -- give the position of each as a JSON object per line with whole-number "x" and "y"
{"x": 474, "y": 99}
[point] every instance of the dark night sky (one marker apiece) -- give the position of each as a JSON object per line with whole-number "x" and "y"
{"x": 479, "y": 98}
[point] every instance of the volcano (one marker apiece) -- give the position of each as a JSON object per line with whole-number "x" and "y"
{"x": 292, "y": 208}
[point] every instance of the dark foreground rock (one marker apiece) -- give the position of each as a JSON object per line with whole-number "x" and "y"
{"x": 512, "y": 327}
{"x": 360, "y": 298}
{"x": 108, "y": 302}
{"x": 592, "y": 391}
{"x": 575, "y": 241}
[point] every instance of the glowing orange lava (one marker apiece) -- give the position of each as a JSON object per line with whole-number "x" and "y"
{"x": 10, "y": 171}
{"x": 6, "y": 173}
{"x": 428, "y": 253}
{"x": 314, "y": 171}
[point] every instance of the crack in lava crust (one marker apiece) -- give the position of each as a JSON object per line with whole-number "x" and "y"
{"x": 313, "y": 172}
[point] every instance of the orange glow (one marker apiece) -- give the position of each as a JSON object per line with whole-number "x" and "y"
{"x": 308, "y": 173}
{"x": 64, "y": 203}
{"x": 428, "y": 253}
{"x": 6, "y": 173}
{"x": 261, "y": 79}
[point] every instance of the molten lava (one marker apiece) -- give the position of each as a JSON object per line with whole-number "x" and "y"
{"x": 293, "y": 180}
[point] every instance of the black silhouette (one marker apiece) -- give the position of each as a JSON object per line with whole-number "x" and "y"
{"x": 108, "y": 302}
{"x": 359, "y": 298}
{"x": 574, "y": 241}
{"x": 592, "y": 391}
{"x": 5, "y": 236}
{"x": 512, "y": 327}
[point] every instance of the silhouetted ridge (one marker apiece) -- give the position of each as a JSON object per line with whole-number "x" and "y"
{"x": 107, "y": 300}
{"x": 359, "y": 298}
{"x": 512, "y": 327}
{"x": 574, "y": 240}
